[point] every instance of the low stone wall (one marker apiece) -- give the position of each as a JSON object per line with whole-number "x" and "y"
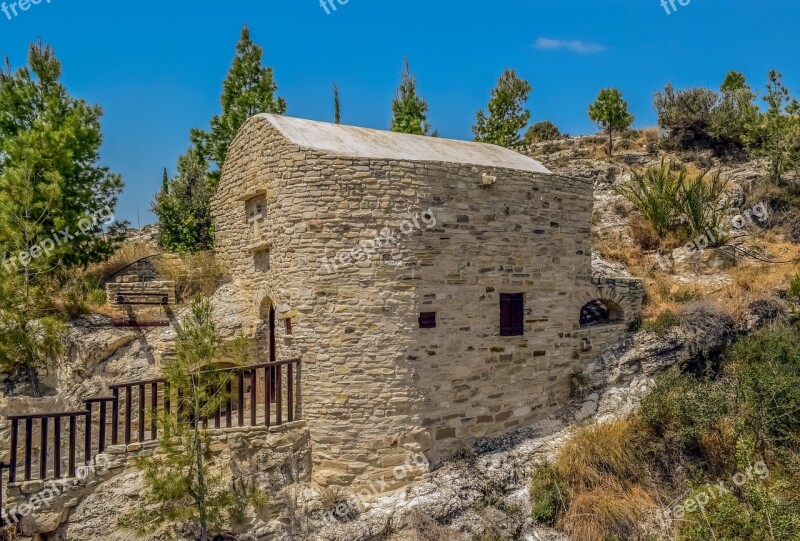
{"x": 88, "y": 508}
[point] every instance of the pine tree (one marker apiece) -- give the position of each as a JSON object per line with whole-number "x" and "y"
{"x": 54, "y": 204}
{"x": 507, "y": 115}
{"x": 183, "y": 207}
{"x": 610, "y": 112}
{"x": 249, "y": 89}
{"x": 409, "y": 111}
{"x": 184, "y": 481}
{"x": 337, "y": 105}
{"x": 776, "y": 134}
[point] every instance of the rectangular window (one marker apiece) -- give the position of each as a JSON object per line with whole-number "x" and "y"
{"x": 427, "y": 320}
{"x": 512, "y": 314}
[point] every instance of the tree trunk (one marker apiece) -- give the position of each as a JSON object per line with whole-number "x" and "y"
{"x": 33, "y": 377}
{"x": 610, "y": 142}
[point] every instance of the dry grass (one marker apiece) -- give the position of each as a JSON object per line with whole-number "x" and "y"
{"x": 193, "y": 274}
{"x": 597, "y": 455}
{"x": 606, "y": 496}
{"x": 128, "y": 253}
{"x": 421, "y": 527}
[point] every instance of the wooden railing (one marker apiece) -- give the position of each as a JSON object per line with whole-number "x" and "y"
{"x": 258, "y": 395}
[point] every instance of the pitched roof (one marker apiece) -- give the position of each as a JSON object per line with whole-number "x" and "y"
{"x": 356, "y": 142}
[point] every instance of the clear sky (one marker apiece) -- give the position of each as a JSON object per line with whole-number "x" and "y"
{"x": 157, "y": 67}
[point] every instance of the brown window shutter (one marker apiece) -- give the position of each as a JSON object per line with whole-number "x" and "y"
{"x": 518, "y": 315}
{"x": 427, "y": 320}
{"x": 512, "y": 314}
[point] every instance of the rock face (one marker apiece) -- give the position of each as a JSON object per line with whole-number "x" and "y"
{"x": 89, "y": 509}
{"x": 384, "y": 261}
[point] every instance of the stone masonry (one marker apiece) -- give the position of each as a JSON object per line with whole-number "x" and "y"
{"x": 348, "y": 235}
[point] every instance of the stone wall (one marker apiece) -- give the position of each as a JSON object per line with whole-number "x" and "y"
{"x": 377, "y": 389}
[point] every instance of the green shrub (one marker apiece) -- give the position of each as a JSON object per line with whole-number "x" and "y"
{"x": 548, "y": 493}
{"x": 81, "y": 294}
{"x": 541, "y": 132}
{"x": 654, "y": 194}
{"x": 662, "y": 323}
{"x": 794, "y": 286}
{"x": 675, "y": 203}
{"x": 701, "y": 118}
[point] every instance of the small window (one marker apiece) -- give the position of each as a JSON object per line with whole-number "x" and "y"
{"x": 427, "y": 320}
{"x": 288, "y": 325}
{"x": 512, "y": 314}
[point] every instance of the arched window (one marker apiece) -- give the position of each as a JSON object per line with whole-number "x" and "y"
{"x": 601, "y": 312}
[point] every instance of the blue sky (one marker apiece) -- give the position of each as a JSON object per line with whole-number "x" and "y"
{"x": 157, "y": 67}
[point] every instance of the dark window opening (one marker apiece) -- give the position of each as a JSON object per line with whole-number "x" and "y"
{"x": 288, "y": 325}
{"x": 512, "y": 314}
{"x": 600, "y": 312}
{"x": 427, "y": 320}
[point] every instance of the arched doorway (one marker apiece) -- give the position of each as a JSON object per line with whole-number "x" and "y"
{"x": 265, "y": 333}
{"x": 266, "y": 345}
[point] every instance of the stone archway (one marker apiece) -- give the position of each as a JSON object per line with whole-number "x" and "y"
{"x": 601, "y": 312}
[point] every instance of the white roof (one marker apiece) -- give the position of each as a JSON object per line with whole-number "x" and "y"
{"x": 356, "y": 142}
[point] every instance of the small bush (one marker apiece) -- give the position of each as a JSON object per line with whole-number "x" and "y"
{"x": 82, "y": 294}
{"x": 662, "y": 323}
{"x": 654, "y": 194}
{"x": 676, "y": 204}
{"x": 193, "y": 274}
{"x": 794, "y": 286}
{"x": 541, "y": 132}
{"x": 548, "y": 495}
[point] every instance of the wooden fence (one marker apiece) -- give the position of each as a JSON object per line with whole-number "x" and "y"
{"x": 265, "y": 394}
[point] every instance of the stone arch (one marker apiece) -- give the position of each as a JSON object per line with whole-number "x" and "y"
{"x": 601, "y": 312}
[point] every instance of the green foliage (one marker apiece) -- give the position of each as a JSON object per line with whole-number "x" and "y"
{"x": 507, "y": 115}
{"x": 691, "y": 432}
{"x": 673, "y": 202}
{"x": 409, "y": 110}
{"x": 700, "y": 202}
{"x": 662, "y": 323}
{"x": 183, "y": 207}
{"x": 700, "y": 118}
{"x": 50, "y": 186}
{"x": 794, "y": 286}
{"x": 547, "y": 492}
{"x": 777, "y": 132}
{"x": 541, "y": 132}
{"x": 654, "y": 194}
{"x": 337, "y": 105}
{"x": 81, "y": 293}
{"x": 610, "y": 113}
{"x": 249, "y": 89}
{"x": 183, "y": 480}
